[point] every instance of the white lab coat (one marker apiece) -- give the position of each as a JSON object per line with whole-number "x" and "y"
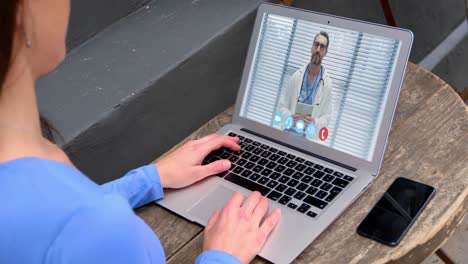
{"x": 322, "y": 107}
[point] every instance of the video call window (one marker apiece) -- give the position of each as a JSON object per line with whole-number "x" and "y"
{"x": 320, "y": 82}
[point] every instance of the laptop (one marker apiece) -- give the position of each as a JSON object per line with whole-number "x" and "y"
{"x": 313, "y": 112}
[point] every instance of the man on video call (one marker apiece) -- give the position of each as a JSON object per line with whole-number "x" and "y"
{"x": 308, "y": 95}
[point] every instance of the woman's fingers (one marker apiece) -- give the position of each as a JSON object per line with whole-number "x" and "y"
{"x": 270, "y": 222}
{"x": 234, "y": 202}
{"x": 214, "y": 217}
{"x": 213, "y": 168}
{"x": 260, "y": 210}
{"x": 218, "y": 142}
{"x": 251, "y": 202}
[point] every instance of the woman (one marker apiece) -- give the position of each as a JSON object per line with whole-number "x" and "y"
{"x": 51, "y": 212}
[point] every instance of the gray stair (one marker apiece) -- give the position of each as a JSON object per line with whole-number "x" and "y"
{"x": 141, "y": 85}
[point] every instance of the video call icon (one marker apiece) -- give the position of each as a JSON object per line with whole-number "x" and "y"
{"x": 300, "y": 126}
{"x": 310, "y": 131}
{"x": 278, "y": 118}
{"x": 323, "y": 133}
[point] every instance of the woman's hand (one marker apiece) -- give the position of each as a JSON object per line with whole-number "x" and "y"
{"x": 237, "y": 229}
{"x": 183, "y": 166}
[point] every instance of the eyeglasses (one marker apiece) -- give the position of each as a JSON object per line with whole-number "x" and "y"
{"x": 321, "y": 45}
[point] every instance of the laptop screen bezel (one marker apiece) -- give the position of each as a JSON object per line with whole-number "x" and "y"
{"x": 406, "y": 38}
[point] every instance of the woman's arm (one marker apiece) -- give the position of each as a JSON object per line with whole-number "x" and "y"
{"x": 139, "y": 186}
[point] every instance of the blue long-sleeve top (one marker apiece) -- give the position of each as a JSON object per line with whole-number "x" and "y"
{"x": 52, "y": 213}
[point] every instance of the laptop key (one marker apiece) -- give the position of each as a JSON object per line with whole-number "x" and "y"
{"x": 238, "y": 170}
{"x": 241, "y": 162}
{"x": 302, "y": 186}
{"x": 299, "y": 195}
{"x": 275, "y": 175}
{"x": 263, "y": 180}
{"x": 254, "y": 158}
{"x": 255, "y": 177}
{"x": 258, "y": 168}
{"x": 330, "y": 197}
{"x": 311, "y": 190}
{"x": 281, "y": 187}
{"x": 338, "y": 174}
{"x": 309, "y": 163}
{"x": 274, "y": 195}
{"x": 315, "y": 202}
{"x": 293, "y": 182}
{"x": 282, "y": 160}
{"x": 328, "y": 178}
{"x": 348, "y": 178}
{"x": 266, "y": 154}
{"x": 300, "y": 167}
{"x": 263, "y": 146}
{"x": 307, "y": 179}
{"x": 271, "y": 165}
{"x": 249, "y": 185}
{"x": 284, "y": 200}
{"x": 249, "y": 165}
{"x": 249, "y": 148}
{"x": 290, "y": 191}
{"x": 282, "y": 153}
{"x": 318, "y": 167}
{"x": 263, "y": 161}
{"x": 297, "y": 175}
{"x": 280, "y": 168}
{"x": 288, "y": 172}
{"x": 256, "y": 143}
{"x": 273, "y": 150}
{"x": 311, "y": 214}
{"x": 257, "y": 151}
{"x": 292, "y": 206}
{"x": 309, "y": 171}
{"x": 326, "y": 186}
{"x": 303, "y": 208}
{"x": 336, "y": 190}
{"x": 248, "y": 140}
{"x": 321, "y": 194}
{"x": 246, "y": 155}
{"x": 290, "y": 156}
{"x": 340, "y": 183}
{"x": 225, "y": 155}
{"x": 272, "y": 184}
{"x": 246, "y": 173}
{"x": 274, "y": 157}
{"x": 232, "y": 134}
{"x": 316, "y": 183}
{"x": 291, "y": 164}
{"x": 300, "y": 160}
{"x": 319, "y": 174}
{"x": 266, "y": 172}
{"x": 233, "y": 159}
{"x": 327, "y": 170}
{"x": 284, "y": 179}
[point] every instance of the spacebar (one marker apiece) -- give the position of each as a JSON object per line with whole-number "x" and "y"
{"x": 250, "y": 185}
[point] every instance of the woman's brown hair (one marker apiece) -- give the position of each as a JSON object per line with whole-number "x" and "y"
{"x": 8, "y": 12}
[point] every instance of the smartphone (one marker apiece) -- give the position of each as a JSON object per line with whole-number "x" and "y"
{"x": 395, "y": 212}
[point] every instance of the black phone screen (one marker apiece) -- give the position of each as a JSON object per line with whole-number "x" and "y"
{"x": 396, "y": 210}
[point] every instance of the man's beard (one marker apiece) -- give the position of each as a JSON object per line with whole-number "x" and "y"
{"x": 316, "y": 59}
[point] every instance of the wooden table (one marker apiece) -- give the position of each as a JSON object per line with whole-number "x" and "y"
{"x": 428, "y": 143}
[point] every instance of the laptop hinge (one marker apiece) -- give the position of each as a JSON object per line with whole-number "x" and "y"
{"x": 300, "y": 150}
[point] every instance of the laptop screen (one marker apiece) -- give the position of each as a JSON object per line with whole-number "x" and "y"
{"x": 324, "y": 83}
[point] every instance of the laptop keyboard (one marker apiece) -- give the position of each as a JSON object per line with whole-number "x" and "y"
{"x": 291, "y": 181}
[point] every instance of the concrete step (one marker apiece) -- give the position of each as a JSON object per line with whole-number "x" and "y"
{"x": 140, "y": 86}
{"x": 88, "y": 17}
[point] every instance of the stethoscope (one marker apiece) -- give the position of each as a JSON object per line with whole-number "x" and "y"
{"x": 309, "y": 95}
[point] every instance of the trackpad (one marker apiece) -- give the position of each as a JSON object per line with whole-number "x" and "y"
{"x": 216, "y": 199}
